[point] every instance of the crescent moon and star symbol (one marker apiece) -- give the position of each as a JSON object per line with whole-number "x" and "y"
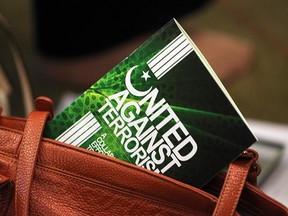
{"x": 131, "y": 88}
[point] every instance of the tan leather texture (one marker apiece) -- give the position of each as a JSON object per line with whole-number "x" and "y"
{"x": 40, "y": 176}
{"x": 27, "y": 159}
{"x": 233, "y": 186}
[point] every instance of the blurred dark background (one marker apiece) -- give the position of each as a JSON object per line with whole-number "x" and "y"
{"x": 261, "y": 93}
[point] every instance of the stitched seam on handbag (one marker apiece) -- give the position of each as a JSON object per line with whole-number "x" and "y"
{"x": 57, "y": 170}
{"x": 14, "y": 118}
{"x": 211, "y": 197}
{"x": 19, "y": 120}
{"x": 7, "y": 154}
{"x": 12, "y": 131}
{"x": 123, "y": 192}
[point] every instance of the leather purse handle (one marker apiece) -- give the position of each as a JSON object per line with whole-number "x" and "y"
{"x": 234, "y": 182}
{"x": 22, "y": 73}
{"x": 28, "y": 153}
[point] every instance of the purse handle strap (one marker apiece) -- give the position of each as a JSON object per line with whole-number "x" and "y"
{"x": 237, "y": 174}
{"x": 32, "y": 135}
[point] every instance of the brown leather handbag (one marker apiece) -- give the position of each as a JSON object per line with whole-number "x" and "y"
{"x": 41, "y": 176}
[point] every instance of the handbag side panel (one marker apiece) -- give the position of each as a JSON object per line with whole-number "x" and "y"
{"x": 77, "y": 181}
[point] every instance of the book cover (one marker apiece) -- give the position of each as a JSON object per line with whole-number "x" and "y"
{"x": 162, "y": 108}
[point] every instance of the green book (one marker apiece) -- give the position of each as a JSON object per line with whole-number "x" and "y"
{"x": 162, "y": 108}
